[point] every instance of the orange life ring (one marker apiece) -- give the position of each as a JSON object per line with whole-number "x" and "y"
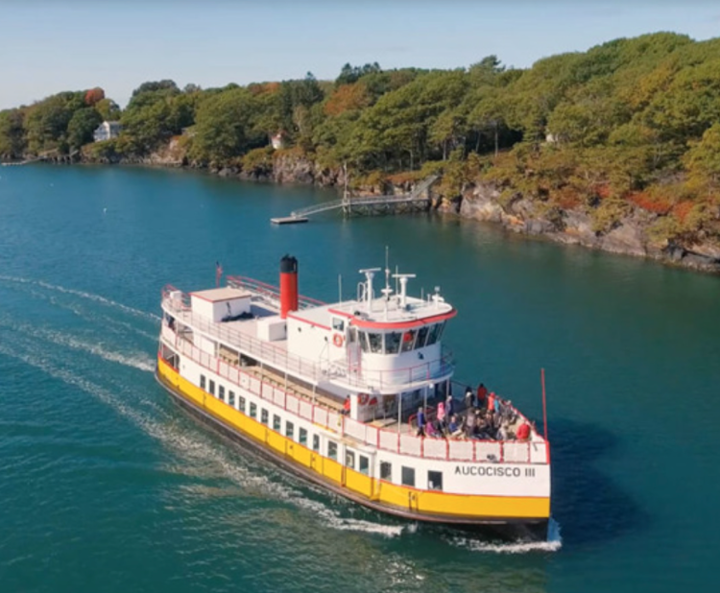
{"x": 338, "y": 340}
{"x": 363, "y": 398}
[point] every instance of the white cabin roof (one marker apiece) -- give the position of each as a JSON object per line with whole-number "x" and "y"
{"x": 225, "y": 293}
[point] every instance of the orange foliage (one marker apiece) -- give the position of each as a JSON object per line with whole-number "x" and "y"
{"x": 681, "y": 210}
{"x": 602, "y": 191}
{"x": 94, "y": 95}
{"x": 264, "y": 88}
{"x": 346, "y": 98}
{"x": 650, "y": 203}
{"x": 404, "y": 177}
{"x": 567, "y": 198}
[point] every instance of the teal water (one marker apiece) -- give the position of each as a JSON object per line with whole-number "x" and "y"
{"x": 106, "y": 486}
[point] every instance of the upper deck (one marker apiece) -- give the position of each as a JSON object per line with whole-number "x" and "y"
{"x": 335, "y": 345}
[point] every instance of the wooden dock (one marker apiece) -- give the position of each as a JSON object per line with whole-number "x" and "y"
{"x": 416, "y": 201}
{"x": 289, "y": 219}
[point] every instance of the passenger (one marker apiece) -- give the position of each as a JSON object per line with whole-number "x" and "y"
{"x": 421, "y": 422}
{"x": 523, "y": 432}
{"x": 453, "y": 426}
{"x": 441, "y": 413}
{"x": 449, "y": 406}
{"x": 346, "y": 406}
{"x": 491, "y": 401}
{"x": 469, "y": 400}
{"x": 481, "y": 395}
{"x": 430, "y": 430}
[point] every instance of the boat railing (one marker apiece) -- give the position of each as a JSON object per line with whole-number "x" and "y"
{"x": 271, "y": 354}
{"x": 268, "y": 292}
{"x": 534, "y": 451}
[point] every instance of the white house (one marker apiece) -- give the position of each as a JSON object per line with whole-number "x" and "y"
{"x": 278, "y": 140}
{"x": 107, "y": 130}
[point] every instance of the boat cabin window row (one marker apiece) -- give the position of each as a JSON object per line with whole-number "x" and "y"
{"x": 395, "y": 342}
{"x": 353, "y": 460}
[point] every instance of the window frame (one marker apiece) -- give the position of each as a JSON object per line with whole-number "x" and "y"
{"x": 407, "y": 476}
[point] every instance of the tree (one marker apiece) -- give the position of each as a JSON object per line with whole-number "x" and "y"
{"x": 12, "y": 139}
{"x": 93, "y": 96}
{"x": 81, "y": 126}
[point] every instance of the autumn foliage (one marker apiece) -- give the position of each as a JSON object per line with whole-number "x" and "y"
{"x": 348, "y": 97}
{"x": 93, "y": 96}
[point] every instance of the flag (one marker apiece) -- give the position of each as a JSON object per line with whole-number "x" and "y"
{"x": 218, "y": 273}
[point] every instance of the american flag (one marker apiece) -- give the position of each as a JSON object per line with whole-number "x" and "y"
{"x": 218, "y": 273}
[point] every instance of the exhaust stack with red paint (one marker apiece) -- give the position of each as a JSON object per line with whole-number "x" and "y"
{"x": 288, "y": 285}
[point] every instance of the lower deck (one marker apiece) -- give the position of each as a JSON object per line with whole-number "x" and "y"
{"x": 360, "y": 481}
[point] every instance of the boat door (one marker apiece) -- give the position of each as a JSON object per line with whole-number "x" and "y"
{"x": 353, "y": 351}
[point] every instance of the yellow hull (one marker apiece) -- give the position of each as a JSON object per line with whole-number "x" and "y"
{"x": 378, "y": 494}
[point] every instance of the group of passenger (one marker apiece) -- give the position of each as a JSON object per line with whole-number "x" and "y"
{"x": 485, "y": 416}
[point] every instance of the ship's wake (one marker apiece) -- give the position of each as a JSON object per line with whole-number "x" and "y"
{"x": 107, "y": 332}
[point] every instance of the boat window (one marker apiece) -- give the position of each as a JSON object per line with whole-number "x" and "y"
{"x": 376, "y": 342}
{"x": 408, "y": 476}
{"x": 264, "y": 416}
{"x": 363, "y": 341}
{"x": 422, "y": 336}
{"x": 221, "y": 392}
{"x": 350, "y": 459}
{"x": 435, "y": 480}
{"x": 408, "y": 340}
{"x": 202, "y": 382}
{"x": 386, "y": 471}
{"x": 392, "y": 342}
{"x": 253, "y": 410}
{"x": 302, "y": 436}
{"x": 289, "y": 429}
{"x": 364, "y": 465}
{"x": 332, "y": 450}
{"x": 277, "y": 423}
{"x": 231, "y": 398}
{"x": 441, "y": 327}
{"x": 212, "y": 387}
{"x": 241, "y": 404}
{"x": 316, "y": 442}
{"x": 338, "y": 324}
{"x": 432, "y": 334}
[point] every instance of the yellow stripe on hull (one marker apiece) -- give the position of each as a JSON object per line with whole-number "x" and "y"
{"x": 357, "y": 486}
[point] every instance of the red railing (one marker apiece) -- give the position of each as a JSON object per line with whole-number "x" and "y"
{"x": 534, "y": 452}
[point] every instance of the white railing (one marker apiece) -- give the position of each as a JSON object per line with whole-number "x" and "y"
{"x": 521, "y": 452}
{"x": 280, "y": 358}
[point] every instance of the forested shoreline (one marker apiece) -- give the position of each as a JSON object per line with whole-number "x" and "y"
{"x": 616, "y": 148}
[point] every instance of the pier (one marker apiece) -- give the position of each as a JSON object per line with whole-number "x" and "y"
{"x": 418, "y": 200}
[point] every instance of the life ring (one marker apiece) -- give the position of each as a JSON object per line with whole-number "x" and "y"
{"x": 363, "y": 398}
{"x": 338, "y": 340}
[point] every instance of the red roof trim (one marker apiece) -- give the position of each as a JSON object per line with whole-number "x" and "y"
{"x": 341, "y": 313}
{"x": 402, "y": 324}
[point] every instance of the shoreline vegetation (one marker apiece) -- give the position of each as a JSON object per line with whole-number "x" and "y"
{"x": 616, "y": 148}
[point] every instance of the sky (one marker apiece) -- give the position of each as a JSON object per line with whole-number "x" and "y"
{"x": 47, "y": 47}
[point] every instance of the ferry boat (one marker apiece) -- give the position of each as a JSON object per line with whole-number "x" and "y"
{"x": 333, "y": 392}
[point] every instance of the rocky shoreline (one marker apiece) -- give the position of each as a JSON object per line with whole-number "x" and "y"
{"x": 477, "y": 201}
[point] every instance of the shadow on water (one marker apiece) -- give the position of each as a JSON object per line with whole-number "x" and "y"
{"x": 587, "y": 503}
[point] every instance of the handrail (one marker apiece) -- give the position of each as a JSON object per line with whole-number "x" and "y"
{"x": 271, "y": 354}
{"x": 479, "y": 451}
{"x": 368, "y": 200}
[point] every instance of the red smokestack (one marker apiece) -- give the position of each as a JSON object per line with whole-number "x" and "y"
{"x": 288, "y": 285}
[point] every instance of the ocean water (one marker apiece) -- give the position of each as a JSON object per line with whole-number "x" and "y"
{"x": 105, "y": 485}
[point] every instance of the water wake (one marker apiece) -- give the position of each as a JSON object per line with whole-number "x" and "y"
{"x": 553, "y": 543}
{"x": 82, "y": 294}
{"x": 136, "y": 360}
